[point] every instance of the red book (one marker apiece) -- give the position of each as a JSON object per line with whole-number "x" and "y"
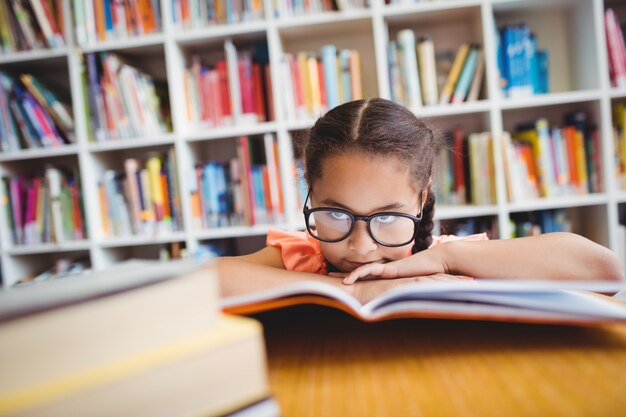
{"x": 167, "y": 213}
{"x": 269, "y": 95}
{"x": 322, "y": 82}
{"x": 222, "y": 72}
{"x": 295, "y": 78}
{"x": 215, "y": 100}
{"x": 257, "y": 89}
{"x": 245, "y": 85}
{"x": 458, "y": 164}
{"x": 569, "y": 133}
{"x": 76, "y": 214}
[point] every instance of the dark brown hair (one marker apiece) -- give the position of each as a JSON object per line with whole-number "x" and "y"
{"x": 378, "y": 127}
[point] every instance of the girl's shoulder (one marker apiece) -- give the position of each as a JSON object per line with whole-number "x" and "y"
{"x": 438, "y": 240}
{"x": 299, "y": 250}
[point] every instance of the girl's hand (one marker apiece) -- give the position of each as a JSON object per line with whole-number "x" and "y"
{"x": 366, "y": 291}
{"x": 419, "y": 265}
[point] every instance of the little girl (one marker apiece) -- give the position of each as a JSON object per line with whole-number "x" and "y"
{"x": 369, "y": 214}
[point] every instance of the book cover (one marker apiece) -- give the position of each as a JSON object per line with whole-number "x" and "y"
{"x": 455, "y": 72}
{"x": 409, "y": 68}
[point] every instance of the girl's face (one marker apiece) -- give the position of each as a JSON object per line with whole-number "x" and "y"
{"x": 364, "y": 185}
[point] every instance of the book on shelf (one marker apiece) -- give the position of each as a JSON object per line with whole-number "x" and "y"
{"x": 123, "y": 101}
{"x": 465, "y": 169}
{"x": 619, "y": 143}
{"x": 43, "y": 209}
{"x": 440, "y": 79}
{"x": 562, "y": 302}
{"x": 31, "y": 24}
{"x": 538, "y": 222}
{"x": 143, "y": 198}
{"x": 314, "y": 83}
{"x": 616, "y": 49}
{"x": 522, "y": 66}
{"x": 228, "y": 88}
{"x": 548, "y": 162}
{"x": 104, "y": 20}
{"x": 193, "y": 14}
{"x": 142, "y": 336}
{"x": 245, "y": 190}
{"x": 32, "y": 117}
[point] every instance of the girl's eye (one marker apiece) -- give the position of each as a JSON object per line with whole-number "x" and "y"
{"x": 337, "y": 215}
{"x": 385, "y": 219}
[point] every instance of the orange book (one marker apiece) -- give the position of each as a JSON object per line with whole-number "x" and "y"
{"x": 562, "y": 302}
{"x": 99, "y": 18}
{"x": 167, "y": 214}
{"x": 355, "y": 75}
{"x": 569, "y": 133}
{"x": 148, "y": 19}
{"x": 104, "y": 210}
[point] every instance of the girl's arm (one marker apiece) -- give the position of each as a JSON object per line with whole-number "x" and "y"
{"x": 264, "y": 270}
{"x": 557, "y": 256}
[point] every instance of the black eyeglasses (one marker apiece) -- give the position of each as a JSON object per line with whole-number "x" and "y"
{"x": 334, "y": 225}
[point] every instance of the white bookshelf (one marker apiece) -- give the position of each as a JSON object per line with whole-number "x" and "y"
{"x": 571, "y": 30}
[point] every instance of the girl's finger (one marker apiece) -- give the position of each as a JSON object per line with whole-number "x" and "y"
{"x": 387, "y": 270}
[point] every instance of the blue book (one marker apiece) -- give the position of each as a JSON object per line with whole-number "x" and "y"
{"x": 534, "y": 68}
{"x": 108, "y": 17}
{"x": 344, "y": 63}
{"x": 329, "y": 62}
{"x": 542, "y": 65}
{"x": 207, "y": 194}
{"x": 467, "y": 74}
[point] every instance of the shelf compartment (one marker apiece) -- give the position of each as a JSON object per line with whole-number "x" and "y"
{"x": 19, "y": 265}
{"x": 565, "y": 28}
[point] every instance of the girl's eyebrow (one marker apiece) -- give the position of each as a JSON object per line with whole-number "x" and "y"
{"x": 393, "y": 206}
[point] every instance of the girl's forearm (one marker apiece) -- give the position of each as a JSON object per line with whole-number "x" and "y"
{"x": 565, "y": 256}
{"x": 238, "y": 276}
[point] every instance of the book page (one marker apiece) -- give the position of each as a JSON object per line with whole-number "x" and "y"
{"x": 513, "y": 298}
{"x": 296, "y": 289}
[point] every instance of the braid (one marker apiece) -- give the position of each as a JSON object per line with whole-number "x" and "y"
{"x": 423, "y": 238}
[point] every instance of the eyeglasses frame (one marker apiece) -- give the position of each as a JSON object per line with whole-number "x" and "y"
{"x": 367, "y": 219}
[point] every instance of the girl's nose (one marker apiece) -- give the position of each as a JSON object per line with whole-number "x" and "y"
{"x": 360, "y": 240}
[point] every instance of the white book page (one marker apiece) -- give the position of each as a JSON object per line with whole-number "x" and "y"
{"x": 530, "y": 295}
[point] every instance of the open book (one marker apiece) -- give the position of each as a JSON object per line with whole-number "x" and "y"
{"x": 556, "y": 302}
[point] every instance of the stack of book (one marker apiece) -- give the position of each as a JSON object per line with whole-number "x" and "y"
{"x": 47, "y": 208}
{"x": 144, "y": 199}
{"x": 544, "y": 162}
{"x": 465, "y": 170}
{"x": 523, "y": 67}
{"x": 234, "y": 88}
{"x": 413, "y": 72}
{"x": 31, "y": 115}
{"x": 537, "y": 222}
{"x": 313, "y": 84}
{"x": 122, "y": 101}
{"x": 195, "y": 14}
{"x": 31, "y": 24}
{"x": 143, "y": 338}
{"x": 102, "y": 20}
{"x": 245, "y": 190}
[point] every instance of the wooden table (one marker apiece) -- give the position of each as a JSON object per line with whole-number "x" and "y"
{"x": 322, "y": 362}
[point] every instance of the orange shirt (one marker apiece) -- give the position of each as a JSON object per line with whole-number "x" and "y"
{"x": 301, "y": 252}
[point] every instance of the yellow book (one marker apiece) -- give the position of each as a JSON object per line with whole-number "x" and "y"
{"x": 581, "y": 160}
{"x": 532, "y": 137}
{"x": 453, "y": 76}
{"x": 316, "y": 97}
{"x": 153, "y": 166}
{"x": 355, "y": 75}
{"x": 305, "y": 80}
